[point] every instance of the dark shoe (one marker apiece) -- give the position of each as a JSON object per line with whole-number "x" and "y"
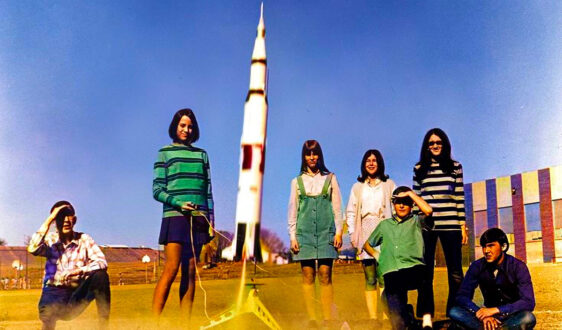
{"x": 451, "y": 325}
{"x": 412, "y": 323}
{"x": 410, "y": 309}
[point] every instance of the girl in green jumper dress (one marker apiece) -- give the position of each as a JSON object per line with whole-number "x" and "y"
{"x": 315, "y": 227}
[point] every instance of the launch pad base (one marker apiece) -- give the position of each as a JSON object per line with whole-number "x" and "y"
{"x": 251, "y": 305}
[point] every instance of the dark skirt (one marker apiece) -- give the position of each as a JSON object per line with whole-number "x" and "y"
{"x": 178, "y": 230}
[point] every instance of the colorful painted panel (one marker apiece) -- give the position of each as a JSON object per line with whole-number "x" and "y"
{"x": 556, "y": 182}
{"x": 503, "y": 191}
{"x": 479, "y": 196}
{"x": 530, "y": 187}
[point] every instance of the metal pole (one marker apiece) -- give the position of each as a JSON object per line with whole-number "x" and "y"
{"x": 26, "y": 269}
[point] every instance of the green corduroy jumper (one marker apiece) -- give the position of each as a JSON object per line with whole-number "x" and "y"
{"x": 315, "y": 224}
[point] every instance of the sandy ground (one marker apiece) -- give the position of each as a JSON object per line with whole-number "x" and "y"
{"x": 281, "y": 296}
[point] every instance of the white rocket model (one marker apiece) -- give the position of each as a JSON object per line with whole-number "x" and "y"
{"x": 252, "y": 157}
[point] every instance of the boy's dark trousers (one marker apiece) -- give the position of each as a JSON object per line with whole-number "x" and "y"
{"x": 65, "y": 303}
{"x": 468, "y": 319}
{"x": 396, "y": 286}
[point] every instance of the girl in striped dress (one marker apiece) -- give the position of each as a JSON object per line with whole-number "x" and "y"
{"x": 315, "y": 227}
{"x": 182, "y": 183}
{"x": 438, "y": 179}
{"x": 369, "y": 204}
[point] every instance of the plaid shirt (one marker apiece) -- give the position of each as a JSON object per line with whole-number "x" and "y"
{"x": 81, "y": 253}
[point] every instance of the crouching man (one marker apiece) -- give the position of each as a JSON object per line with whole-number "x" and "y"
{"x": 75, "y": 270}
{"x": 506, "y": 286}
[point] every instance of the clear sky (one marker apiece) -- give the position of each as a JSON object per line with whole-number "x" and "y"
{"x": 87, "y": 91}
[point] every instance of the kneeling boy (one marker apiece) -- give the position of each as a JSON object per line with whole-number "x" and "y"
{"x": 506, "y": 286}
{"x": 401, "y": 257}
{"x": 75, "y": 270}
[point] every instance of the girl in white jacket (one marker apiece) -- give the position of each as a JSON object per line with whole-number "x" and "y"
{"x": 369, "y": 204}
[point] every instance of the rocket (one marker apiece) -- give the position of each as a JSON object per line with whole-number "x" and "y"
{"x": 252, "y": 155}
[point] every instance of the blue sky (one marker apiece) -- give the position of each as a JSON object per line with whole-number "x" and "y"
{"x": 87, "y": 91}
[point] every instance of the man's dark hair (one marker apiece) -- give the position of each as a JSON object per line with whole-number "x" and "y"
{"x": 494, "y": 235}
{"x": 70, "y": 208}
{"x": 399, "y": 190}
{"x": 446, "y": 163}
{"x": 314, "y": 147}
{"x": 173, "y": 129}
{"x": 380, "y": 166}
{"x": 67, "y": 211}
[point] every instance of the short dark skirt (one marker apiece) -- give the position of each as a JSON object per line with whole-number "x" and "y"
{"x": 177, "y": 230}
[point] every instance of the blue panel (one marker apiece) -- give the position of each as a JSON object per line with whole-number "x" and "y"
{"x": 533, "y": 217}
{"x": 506, "y": 219}
{"x": 492, "y": 203}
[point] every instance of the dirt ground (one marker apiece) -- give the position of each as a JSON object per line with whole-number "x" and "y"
{"x": 281, "y": 296}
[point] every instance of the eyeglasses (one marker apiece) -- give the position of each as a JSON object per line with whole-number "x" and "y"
{"x": 437, "y": 143}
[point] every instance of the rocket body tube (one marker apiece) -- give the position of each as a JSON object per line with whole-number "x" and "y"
{"x": 252, "y": 155}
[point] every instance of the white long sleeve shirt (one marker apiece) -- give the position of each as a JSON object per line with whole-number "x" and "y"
{"x": 373, "y": 202}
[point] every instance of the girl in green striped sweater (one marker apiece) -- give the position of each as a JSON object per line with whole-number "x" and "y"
{"x": 182, "y": 183}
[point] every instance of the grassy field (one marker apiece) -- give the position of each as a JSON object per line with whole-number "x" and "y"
{"x": 281, "y": 295}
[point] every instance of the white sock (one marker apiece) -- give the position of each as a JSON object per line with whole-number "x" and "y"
{"x": 426, "y": 322}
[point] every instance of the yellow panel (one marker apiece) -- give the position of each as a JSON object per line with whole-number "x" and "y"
{"x": 503, "y": 191}
{"x": 479, "y": 196}
{"x": 556, "y": 182}
{"x": 530, "y": 181}
{"x": 478, "y": 253}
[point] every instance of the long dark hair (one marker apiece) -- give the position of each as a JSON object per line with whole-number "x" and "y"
{"x": 380, "y": 166}
{"x": 314, "y": 146}
{"x": 173, "y": 129}
{"x": 446, "y": 163}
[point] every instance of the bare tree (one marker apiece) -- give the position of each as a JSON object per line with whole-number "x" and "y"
{"x": 2, "y": 242}
{"x": 224, "y": 240}
{"x": 271, "y": 241}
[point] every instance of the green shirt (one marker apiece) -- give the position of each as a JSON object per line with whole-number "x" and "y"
{"x": 401, "y": 242}
{"x": 181, "y": 174}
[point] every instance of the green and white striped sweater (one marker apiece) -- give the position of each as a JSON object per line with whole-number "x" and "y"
{"x": 182, "y": 174}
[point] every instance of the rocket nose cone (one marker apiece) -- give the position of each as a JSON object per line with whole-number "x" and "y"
{"x": 261, "y": 25}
